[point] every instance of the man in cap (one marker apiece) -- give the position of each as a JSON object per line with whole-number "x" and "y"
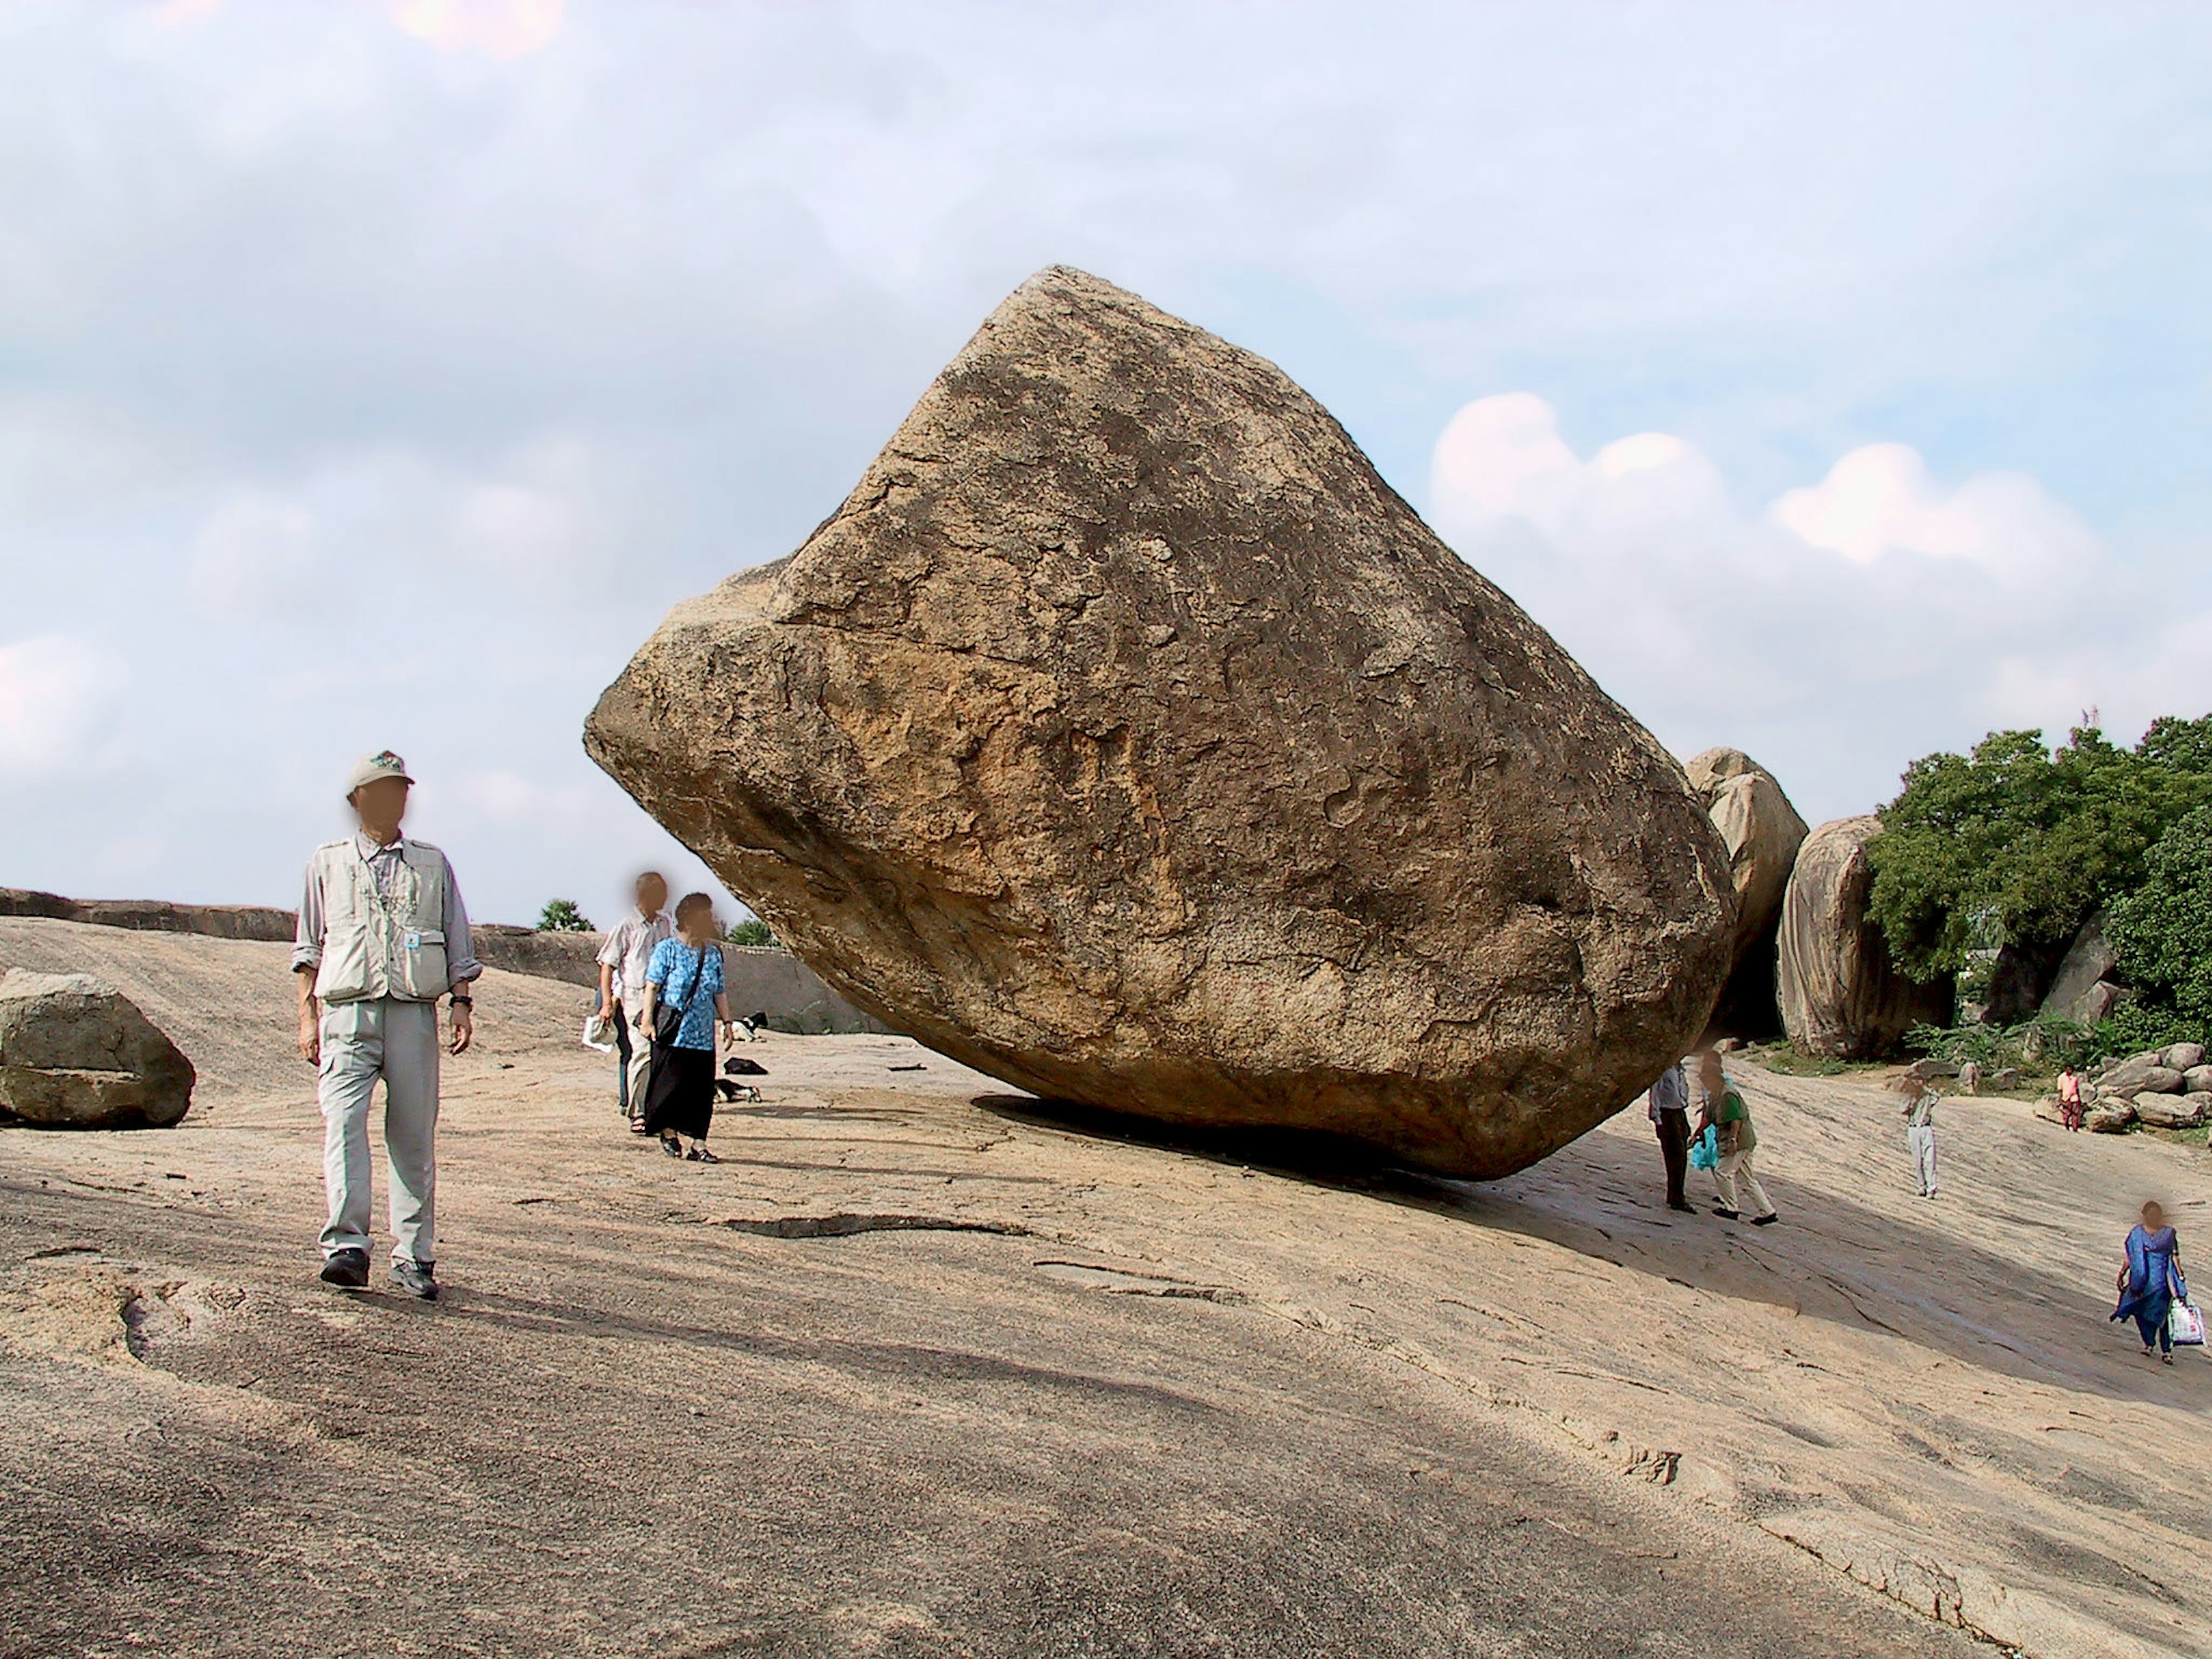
{"x": 382, "y": 936}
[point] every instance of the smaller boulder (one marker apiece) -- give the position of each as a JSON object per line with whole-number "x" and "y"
{"x": 2132, "y": 1075}
{"x": 2182, "y": 1056}
{"x": 77, "y": 1053}
{"x": 1932, "y": 1068}
{"x": 2048, "y": 1110}
{"x": 2106, "y": 1118}
{"x": 2171, "y": 1111}
{"x": 1970, "y": 1078}
{"x": 2196, "y": 1080}
{"x": 2095, "y": 1003}
{"x": 2004, "y": 1079}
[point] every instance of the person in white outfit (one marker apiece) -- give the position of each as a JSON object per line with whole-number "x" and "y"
{"x": 623, "y": 960}
{"x": 382, "y": 935}
{"x": 1920, "y": 1131}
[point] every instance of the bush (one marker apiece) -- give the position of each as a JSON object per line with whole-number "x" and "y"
{"x": 562, "y": 916}
{"x": 2038, "y": 1045}
{"x": 754, "y": 932}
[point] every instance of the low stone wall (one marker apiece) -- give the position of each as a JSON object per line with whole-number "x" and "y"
{"x": 249, "y": 922}
{"x": 770, "y": 982}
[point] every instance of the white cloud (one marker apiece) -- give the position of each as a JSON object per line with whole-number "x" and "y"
{"x": 1847, "y": 628}
{"x": 501, "y": 28}
{"x": 1879, "y": 498}
{"x": 56, "y": 697}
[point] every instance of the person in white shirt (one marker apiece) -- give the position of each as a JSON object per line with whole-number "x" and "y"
{"x": 382, "y": 935}
{"x": 623, "y": 959}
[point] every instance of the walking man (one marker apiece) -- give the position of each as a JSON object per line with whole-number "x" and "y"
{"x": 382, "y": 936}
{"x": 1723, "y": 1107}
{"x": 1669, "y": 1111}
{"x": 623, "y": 959}
{"x": 1920, "y": 1131}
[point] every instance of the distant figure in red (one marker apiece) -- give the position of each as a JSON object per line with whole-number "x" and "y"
{"x": 2070, "y": 1098}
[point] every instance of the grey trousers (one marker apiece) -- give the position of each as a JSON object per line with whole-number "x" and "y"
{"x": 1921, "y": 1141}
{"x": 640, "y": 1050}
{"x": 397, "y": 1042}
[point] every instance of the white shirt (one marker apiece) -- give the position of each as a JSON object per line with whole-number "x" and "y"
{"x": 629, "y": 948}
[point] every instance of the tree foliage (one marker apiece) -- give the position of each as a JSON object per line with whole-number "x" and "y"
{"x": 2161, "y": 933}
{"x": 562, "y": 916}
{"x": 754, "y": 932}
{"x": 2016, "y": 843}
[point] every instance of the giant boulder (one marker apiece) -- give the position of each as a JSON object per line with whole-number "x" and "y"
{"x": 1841, "y": 995}
{"x": 77, "y": 1053}
{"x": 2088, "y": 962}
{"x": 1762, "y": 833}
{"x": 1124, "y": 736}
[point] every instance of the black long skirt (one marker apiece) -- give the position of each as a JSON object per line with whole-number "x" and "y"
{"x": 680, "y": 1098}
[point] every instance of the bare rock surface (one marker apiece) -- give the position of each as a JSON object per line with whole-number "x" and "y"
{"x": 77, "y": 1053}
{"x": 920, "y": 1370}
{"x": 2088, "y": 962}
{"x": 1841, "y": 995}
{"x": 1762, "y": 832}
{"x": 1124, "y": 735}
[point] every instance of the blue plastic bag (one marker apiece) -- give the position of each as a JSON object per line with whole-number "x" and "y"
{"x": 1705, "y": 1150}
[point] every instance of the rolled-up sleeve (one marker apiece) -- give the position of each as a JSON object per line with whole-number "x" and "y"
{"x": 461, "y": 963}
{"x": 308, "y": 935}
{"x": 616, "y": 942}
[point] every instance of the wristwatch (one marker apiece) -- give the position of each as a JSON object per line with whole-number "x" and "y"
{"x": 460, "y": 1001}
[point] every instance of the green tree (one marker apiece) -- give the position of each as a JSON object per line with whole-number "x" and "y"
{"x": 2017, "y": 844}
{"x": 562, "y": 916}
{"x": 2162, "y": 932}
{"x": 752, "y": 931}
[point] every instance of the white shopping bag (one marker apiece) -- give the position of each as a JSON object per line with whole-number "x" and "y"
{"x": 2184, "y": 1325}
{"x": 595, "y": 1033}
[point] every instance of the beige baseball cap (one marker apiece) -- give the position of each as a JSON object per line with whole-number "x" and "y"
{"x": 382, "y": 764}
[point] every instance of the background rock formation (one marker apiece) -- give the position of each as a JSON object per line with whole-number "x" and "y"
{"x": 77, "y": 1053}
{"x": 1840, "y": 994}
{"x": 1762, "y": 832}
{"x": 1124, "y": 736}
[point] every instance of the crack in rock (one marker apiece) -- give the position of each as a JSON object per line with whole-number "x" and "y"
{"x": 845, "y": 1223}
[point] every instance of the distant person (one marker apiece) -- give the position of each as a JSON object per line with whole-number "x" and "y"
{"x": 2070, "y": 1098}
{"x": 1920, "y": 1130}
{"x": 2151, "y": 1282}
{"x": 1669, "y": 1111}
{"x": 623, "y": 959}
{"x": 382, "y": 935}
{"x": 1722, "y": 1107}
{"x": 683, "y": 1001}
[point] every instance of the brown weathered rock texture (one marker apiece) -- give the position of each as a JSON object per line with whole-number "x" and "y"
{"x": 1762, "y": 833}
{"x": 1124, "y": 736}
{"x": 1840, "y": 994}
{"x": 77, "y": 1053}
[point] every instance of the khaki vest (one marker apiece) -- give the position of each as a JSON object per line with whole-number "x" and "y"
{"x": 373, "y": 950}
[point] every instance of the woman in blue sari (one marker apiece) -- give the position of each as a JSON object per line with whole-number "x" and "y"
{"x": 2151, "y": 1282}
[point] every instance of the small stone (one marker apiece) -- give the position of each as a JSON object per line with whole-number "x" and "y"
{"x": 77, "y": 1053}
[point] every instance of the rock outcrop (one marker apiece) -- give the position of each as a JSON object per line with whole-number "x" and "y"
{"x": 77, "y": 1053}
{"x": 248, "y": 921}
{"x": 1841, "y": 995}
{"x": 1762, "y": 832}
{"x": 1124, "y": 736}
{"x": 2081, "y": 989}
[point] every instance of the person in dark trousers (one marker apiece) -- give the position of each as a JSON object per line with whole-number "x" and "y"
{"x": 1669, "y": 1111}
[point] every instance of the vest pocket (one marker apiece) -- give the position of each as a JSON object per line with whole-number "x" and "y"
{"x": 343, "y": 976}
{"x": 423, "y": 972}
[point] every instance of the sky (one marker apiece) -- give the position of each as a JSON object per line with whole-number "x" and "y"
{"x": 1834, "y": 382}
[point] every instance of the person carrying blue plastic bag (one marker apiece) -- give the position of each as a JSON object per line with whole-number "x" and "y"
{"x": 1725, "y": 1112}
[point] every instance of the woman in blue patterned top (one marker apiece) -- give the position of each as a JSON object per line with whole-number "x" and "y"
{"x": 685, "y": 976}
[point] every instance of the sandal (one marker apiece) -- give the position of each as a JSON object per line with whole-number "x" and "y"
{"x": 704, "y": 1156}
{"x": 671, "y": 1146}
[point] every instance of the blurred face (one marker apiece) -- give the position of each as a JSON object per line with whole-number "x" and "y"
{"x": 1709, "y": 1070}
{"x": 381, "y": 804}
{"x": 696, "y": 924}
{"x": 2153, "y": 1216}
{"x": 652, "y": 895}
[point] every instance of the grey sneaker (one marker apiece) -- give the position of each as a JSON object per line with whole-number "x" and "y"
{"x": 348, "y": 1269}
{"x": 417, "y": 1279}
